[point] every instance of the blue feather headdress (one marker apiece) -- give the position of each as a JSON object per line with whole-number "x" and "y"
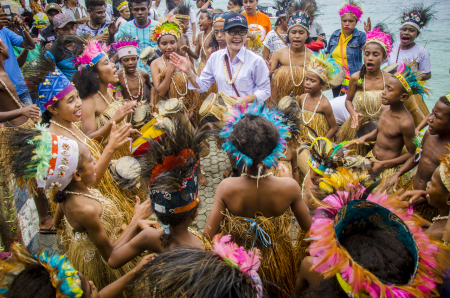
{"x": 237, "y": 113}
{"x": 411, "y": 80}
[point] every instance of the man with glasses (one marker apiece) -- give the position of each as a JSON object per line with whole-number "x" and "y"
{"x": 140, "y": 27}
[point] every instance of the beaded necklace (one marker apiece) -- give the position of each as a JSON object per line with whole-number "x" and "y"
{"x": 74, "y": 134}
{"x": 175, "y": 85}
{"x": 315, "y": 110}
{"x": 225, "y": 72}
{"x": 104, "y": 98}
{"x": 364, "y": 86}
{"x": 203, "y": 42}
{"x": 303, "y": 184}
{"x": 82, "y": 194}
{"x": 138, "y": 97}
{"x": 290, "y": 67}
{"x": 21, "y": 105}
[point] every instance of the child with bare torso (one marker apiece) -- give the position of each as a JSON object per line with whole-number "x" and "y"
{"x": 133, "y": 80}
{"x": 204, "y": 48}
{"x": 395, "y": 128}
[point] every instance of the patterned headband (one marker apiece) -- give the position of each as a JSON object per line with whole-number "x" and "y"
{"x": 53, "y": 89}
{"x": 299, "y": 18}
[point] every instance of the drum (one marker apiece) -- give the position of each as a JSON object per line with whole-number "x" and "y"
{"x": 302, "y": 159}
{"x": 170, "y": 106}
{"x": 392, "y": 69}
{"x": 126, "y": 172}
{"x": 286, "y": 102}
{"x": 141, "y": 115}
{"x": 147, "y": 54}
{"x": 213, "y": 105}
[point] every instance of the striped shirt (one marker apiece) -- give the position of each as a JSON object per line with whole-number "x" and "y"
{"x": 142, "y": 34}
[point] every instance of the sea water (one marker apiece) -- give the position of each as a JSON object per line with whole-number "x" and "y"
{"x": 435, "y": 37}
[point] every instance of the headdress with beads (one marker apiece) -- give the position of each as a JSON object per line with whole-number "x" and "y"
{"x": 301, "y": 13}
{"x": 380, "y": 36}
{"x": 172, "y": 166}
{"x": 182, "y": 11}
{"x": 236, "y": 113}
{"x": 282, "y": 7}
{"x": 324, "y": 66}
{"x": 352, "y": 7}
{"x": 93, "y": 52}
{"x": 123, "y": 5}
{"x": 40, "y": 20}
{"x": 63, "y": 276}
{"x": 126, "y": 45}
{"x": 46, "y": 81}
{"x": 37, "y": 153}
{"x": 418, "y": 16}
{"x": 444, "y": 170}
{"x": 410, "y": 80}
{"x": 168, "y": 26}
{"x": 347, "y": 209}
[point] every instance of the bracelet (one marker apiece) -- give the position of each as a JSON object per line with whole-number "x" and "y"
{"x": 190, "y": 75}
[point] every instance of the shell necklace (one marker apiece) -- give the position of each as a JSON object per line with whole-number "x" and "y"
{"x": 303, "y": 184}
{"x": 104, "y": 98}
{"x": 21, "y": 105}
{"x": 175, "y": 85}
{"x": 436, "y": 218}
{"x": 364, "y": 86}
{"x": 138, "y": 97}
{"x": 290, "y": 67}
{"x": 225, "y": 72}
{"x": 74, "y": 134}
{"x": 83, "y": 194}
{"x": 315, "y": 110}
{"x": 203, "y": 42}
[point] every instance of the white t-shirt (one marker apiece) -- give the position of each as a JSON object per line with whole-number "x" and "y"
{"x": 152, "y": 14}
{"x": 417, "y": 53}
{"x": 339, "y": 109}
{"x": 273, "y": 41}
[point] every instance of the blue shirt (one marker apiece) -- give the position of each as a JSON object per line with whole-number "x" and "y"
{"x": 11, "y": 66}
{"x": 142, "y": 34}
{"x": 354, "y": 51}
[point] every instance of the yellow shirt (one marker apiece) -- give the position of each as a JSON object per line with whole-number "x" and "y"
{"x": 337, "y": 55}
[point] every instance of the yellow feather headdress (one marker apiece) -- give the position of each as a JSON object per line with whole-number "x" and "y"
{"x": 168, "y": 26}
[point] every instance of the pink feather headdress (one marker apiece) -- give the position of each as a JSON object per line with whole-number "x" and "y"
{"x": 126, "y": 43}
{"x": 126, "y": 47}
{"x": 246, "y": 261}
{"x": 380, "y": 37}
{"x": 93, "y": 52}
{"x": 352, "y": 7}
{"x": 331, "y": 259}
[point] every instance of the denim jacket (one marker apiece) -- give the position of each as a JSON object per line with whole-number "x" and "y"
{"x": 354, "y": 53}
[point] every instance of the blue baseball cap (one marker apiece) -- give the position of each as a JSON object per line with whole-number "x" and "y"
{"x": 235, "y": 20}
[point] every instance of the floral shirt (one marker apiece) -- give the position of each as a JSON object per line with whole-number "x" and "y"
{"x": 273, "y": 41}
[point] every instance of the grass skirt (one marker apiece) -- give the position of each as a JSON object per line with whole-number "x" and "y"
{"x": 373, "y": 104}
{"x": 319, "y": 123}
{"x": 278, "y": 261}
{"x": 282, "y": 84}
{"x": 84, "y": 255}
{"x": 275, "y": 170}
{"x": 387, "y": 173}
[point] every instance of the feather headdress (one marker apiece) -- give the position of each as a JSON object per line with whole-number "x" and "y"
{"x": 64, "y": 277}
{"x": 410, "y": 80}
{"x": 40, "y": 20}
{"x": 236, "y": 114}
{"x": 348, "y": 207}
{"x": 444, "y": 170}
{"x": 182, "y": 11}
{"x": 418, "y": 16}
{"x": 301, "y": 13}
{"x": 324, "y": 66}
{"x": 168, "y": 26}
{"x": 93, "y": 52}
{"x": 126, "y": 45}
{"x": 290, "y": 117}
{"x": 380, "y": 36}
{"x": 246, "y": 261}
{"x": 353, "y": 7}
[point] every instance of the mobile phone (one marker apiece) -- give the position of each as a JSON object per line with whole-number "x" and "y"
{"x": 7, "y": 9}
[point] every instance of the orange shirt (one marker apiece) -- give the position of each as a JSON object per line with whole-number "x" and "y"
{"x": 260, "y": 22}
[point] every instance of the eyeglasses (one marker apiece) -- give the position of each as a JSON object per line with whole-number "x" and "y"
{"x": 240, "y": 32}
{"x": 136, "y": 9}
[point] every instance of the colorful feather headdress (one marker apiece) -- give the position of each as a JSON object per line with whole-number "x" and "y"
{"x": 93, "y": 52}
{"x": 353, "y": 7}
{"x": 290, "y": 117}
{"x": 301, "y": 13}
{"x": 410, "y": 80}
{"x": 349, "y": 207}
{"x": 444, "y": 170}
{"x": 418, "y": 16}
{"x": 236, "y": 114}
{"x": 126, "y": 46}
{"x": 168, "y": 26}
{"x": 123, "y": 5}
{"x": 246, "y": 261}
{"x": 377, "y": 35}
{"x": 40, "y": 20}
{"x": 63, "y": 276}
{"x": 324, "y": 66}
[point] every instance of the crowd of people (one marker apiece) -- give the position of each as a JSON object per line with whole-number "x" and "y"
{"x": 107, "y": 111}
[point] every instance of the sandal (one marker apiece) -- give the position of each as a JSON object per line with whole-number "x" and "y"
{"x": 50, "y": 231}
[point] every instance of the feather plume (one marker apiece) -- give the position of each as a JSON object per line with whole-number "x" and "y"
{"x": 168, "y": 26}
{"x": 379, "y": 35}
{"x": 426, "y": 13}
{"x": 91, "y": 50}
{"x": 352, "y": 7}
{"x": 324, "y": 66}
{"x": 302, "y": 5}
{"x": 413, "y": 78}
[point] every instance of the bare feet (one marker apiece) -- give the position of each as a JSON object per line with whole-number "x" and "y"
{"x": 202, "y": 179}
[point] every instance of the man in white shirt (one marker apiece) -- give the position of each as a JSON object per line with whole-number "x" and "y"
{"x": 237, "y": 71}
{"x": 23, "y": 7}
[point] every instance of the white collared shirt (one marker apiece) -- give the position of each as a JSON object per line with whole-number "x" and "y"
{"x": 253, "y": 76}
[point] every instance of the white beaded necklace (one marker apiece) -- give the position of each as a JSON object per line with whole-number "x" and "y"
{"x": 303, "y": 184}
{"x": 74, "y": 134}
{"x": 315, "y": 110}
{"x": 138, "y": 97}
{"x": 175, "y": 85}
{"x": 436, "y": 218}
{"x": 364, "y": 86}
{"x": 225, "y": 72}
{"x": 290, "y": 67}
{"x": 203, "y": 42}
{"x": 104, "y": 98}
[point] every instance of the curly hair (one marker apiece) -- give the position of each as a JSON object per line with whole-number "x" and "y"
{"x": 173, "y": 220}
{"x": 191, "y": 272}
{"x": 86, "y": 81}
{"x": 255, "y": 136}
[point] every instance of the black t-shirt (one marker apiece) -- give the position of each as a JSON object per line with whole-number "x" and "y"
{"x": 47, "y": 35}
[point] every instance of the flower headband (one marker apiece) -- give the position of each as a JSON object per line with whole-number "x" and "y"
{"x": 353, "y": 8}
{"x": 381, "y": 38}
{"x": 55, "y": 159}
{"x": 324, "y": 66}
{"x": 410, "y": 80}
{"x": 125, "y": 48}
{"x": 236, "y": 114}
{"x": 168, "y": 26}
{"x": 345, "y": 210}
{"x": 93, "y": 52}
{"x": 122, "y": 6}
{"x": 246, "y": 262}
{"x": 444, "y": 170}
{"x": 64, "y": 277}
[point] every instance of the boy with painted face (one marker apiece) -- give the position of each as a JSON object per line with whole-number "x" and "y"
{"x": 396, "y": 126}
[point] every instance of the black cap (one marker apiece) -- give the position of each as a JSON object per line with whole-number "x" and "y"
{"x": 235, "y": 20}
